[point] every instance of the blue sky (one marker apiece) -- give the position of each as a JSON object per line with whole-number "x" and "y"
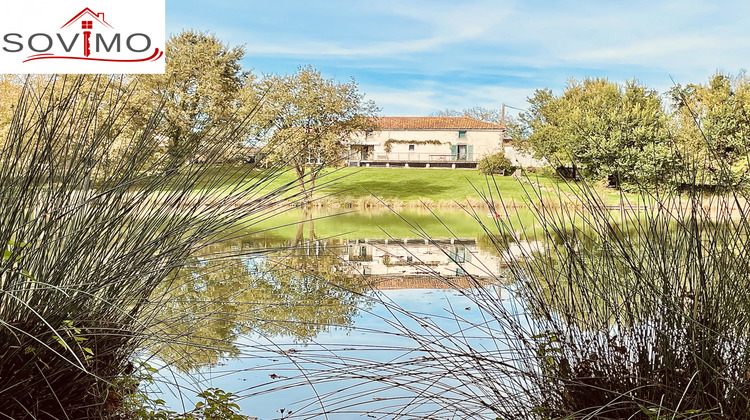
{"x": 417, "y": 57}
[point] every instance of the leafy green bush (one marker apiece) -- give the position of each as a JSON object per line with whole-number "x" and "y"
{"x": 137, "y": 404}
{"x": 496, "y": 164}
{"x": 218, "y": 404}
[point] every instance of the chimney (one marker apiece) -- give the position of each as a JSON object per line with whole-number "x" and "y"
{"x": 100, "y": 16}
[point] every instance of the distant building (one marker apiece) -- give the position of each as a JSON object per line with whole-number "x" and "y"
{"x": 452, "y": 142}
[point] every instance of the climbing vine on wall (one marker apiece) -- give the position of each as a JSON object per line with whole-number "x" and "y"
{"x": 391, "y": 142}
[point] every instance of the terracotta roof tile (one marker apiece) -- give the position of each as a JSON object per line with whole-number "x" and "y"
{"x": 434, "y": 123}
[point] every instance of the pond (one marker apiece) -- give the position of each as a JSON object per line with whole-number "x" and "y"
{"x": 326, "y": 312}
{"x": 341, "y": 316}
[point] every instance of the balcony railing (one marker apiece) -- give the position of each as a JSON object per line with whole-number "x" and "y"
{"x": 412, "y": 157}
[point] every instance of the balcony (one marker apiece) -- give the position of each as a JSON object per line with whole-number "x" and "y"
{"x": 414, "y": 160}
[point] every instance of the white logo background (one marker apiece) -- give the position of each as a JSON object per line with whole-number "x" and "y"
{"x": 32, "y": 31}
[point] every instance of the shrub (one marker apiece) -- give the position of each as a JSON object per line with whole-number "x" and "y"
{"x": 495, "y": 165}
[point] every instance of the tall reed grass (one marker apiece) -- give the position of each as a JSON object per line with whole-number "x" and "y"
{"x": 94, "y": 219}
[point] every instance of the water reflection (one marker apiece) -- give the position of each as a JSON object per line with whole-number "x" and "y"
{"x": 302, "y": 285}
{"x": 447, "y": 258}
{"x": 281, "y": 296}
{"x": 584, "y": 302}
{"x": 294, "y": 293}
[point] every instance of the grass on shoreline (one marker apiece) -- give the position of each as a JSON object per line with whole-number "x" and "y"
{"x": 413, "y": 187}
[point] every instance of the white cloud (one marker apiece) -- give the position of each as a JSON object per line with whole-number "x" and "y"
{"x": 448, "y": 25}
{"x": 403, "y": 102}
{"x": 419, "y": 56}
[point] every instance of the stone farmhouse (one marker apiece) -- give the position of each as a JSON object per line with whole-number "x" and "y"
{"x": 432, "y": 142}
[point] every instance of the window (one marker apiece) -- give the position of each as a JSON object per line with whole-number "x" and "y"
{"x": 86, "y": 24}
{"x": 462, "y": 134}
{"x": 461, "y": 152}
{"x": 411, "y": 147}
{"x": 460, "y": 255}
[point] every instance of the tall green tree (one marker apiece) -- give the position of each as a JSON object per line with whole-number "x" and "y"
{"x": 602, "y": 129}
{"x": 103, "y": 98}
{"x": 713, "y": 128}
{"x": 202, "y": 89}
{"x": 310, "y": 120}
{"x": 10, "y": 91}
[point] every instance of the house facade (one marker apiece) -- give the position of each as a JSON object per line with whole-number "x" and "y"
{"x": 453, "y": 142}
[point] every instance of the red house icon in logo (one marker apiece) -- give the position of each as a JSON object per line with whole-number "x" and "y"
{"x": 87, "y": 25}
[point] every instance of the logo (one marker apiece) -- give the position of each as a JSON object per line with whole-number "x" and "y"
{"x": 72, "y": 37}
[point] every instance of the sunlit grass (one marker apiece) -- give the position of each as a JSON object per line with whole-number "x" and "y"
{"x": 365, "y": 187}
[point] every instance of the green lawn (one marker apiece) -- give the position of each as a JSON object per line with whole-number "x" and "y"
{"x": 443, "y": 190}
{"x": 413, "y": 185}
{"x": 409, "y": 186}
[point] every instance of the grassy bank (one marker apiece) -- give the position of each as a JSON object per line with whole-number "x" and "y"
{"x": 410, "y": 187}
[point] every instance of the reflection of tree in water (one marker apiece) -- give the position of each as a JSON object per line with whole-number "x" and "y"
{"x": 296, "y": 291}
{"x": 589, "y": 277}
{"x": 655, "y": 309}
{"x": 493, "y": 243}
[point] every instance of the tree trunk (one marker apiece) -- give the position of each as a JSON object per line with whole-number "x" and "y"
{"x": 307, "y": 219}
{"x": 311, "y": 227}
{"x": 311, "y": 187}
{"x": 299, "y": 236}
{"x": 300, "y": 171}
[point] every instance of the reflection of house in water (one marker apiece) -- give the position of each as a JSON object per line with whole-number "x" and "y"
{"x": 410, "y": 257}
{"x": 409, "y": 263}
{"x": 418, "y": 258}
